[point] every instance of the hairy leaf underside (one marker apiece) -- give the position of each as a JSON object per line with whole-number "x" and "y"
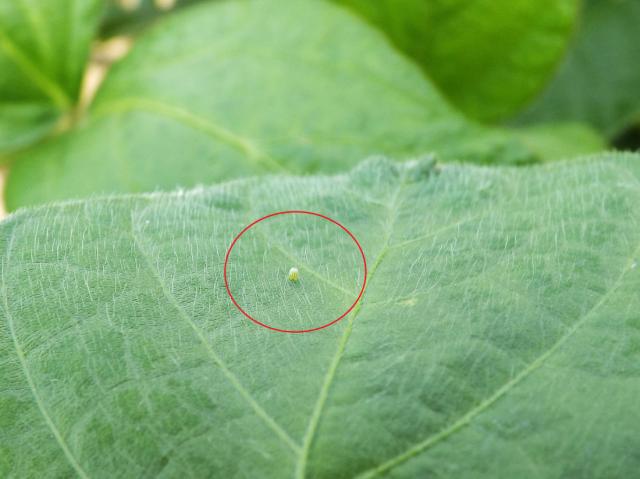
{"x": 499, "y": 335}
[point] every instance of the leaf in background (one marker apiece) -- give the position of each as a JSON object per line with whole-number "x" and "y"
{"x": 599, "y": 82}
{"x": 497, "y": 338}
{"x": 558, "y": 141}
{"x": 489, "y": 56}
{"x": 44, "y": 46}
{"x": 233, "y": 88}
{"x": 120, "y": 19}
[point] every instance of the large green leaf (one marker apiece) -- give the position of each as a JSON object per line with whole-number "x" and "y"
{"x": 598, "y": 83}
{"x": 225, "y": 89}
{"x": 498, "y": 337}
{"x": 43, "y": 49}
{"x": 488, "y": 56}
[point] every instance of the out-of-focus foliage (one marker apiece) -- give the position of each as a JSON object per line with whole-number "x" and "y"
{"x": 557, "y": 141}
{"x": 488, "y": 56}
{"x": 130, "y": 16}
{"x": 44, "y": 45}
{"x": 629, "y": 139}
{"x": 234, "y": 88}
{"x": 237, "y": 87}
{"x": 599, "y": 81}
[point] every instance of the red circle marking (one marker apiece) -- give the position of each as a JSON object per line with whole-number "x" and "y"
{"x": 299, "y": 212}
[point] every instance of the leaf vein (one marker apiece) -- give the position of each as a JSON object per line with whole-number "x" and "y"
{"x": 246, "y": 146}
{"x": 32, "y": 385}
{"x": 304, "y": 266}
{"x": 470, "y": 415}
{"x": 323, "y": 395}
{"x": 46, "y": 84}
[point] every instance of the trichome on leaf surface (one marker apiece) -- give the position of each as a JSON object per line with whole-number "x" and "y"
{"x": 492, "y": 296}
{"x": 468, "y": 146}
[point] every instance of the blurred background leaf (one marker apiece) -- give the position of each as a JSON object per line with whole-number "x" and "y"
{"x": 599, "y": 81}
{"x": 238, "y": 88}
{"x": 131, "y": 16}
{"x": 227, "y": 88}
{"x": 488, "y": 56}
{"x": 558, "y": 141}
{"x": 44, "y": 47}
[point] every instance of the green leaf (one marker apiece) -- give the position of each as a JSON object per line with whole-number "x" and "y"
{"x": 119, "y": 19}
{"x": 44, "y": 46}
{"x": 498, "y": 336}
{"x": 598, "y": 81}
{"x": 489, "y": 56}
{"x": 558, "y": 141}
{"x": 233, "y": 88}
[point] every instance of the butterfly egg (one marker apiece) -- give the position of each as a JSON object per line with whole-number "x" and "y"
{"x": 293, "y": 274}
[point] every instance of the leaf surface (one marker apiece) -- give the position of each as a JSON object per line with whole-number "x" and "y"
{"x": 598, "y": 81}
{"x": 498, "y": 336}
{"x": 560, "y": 141}
{"x": 44, "y": 46}
{"x": 488, "y": 56}
{"x": 225, "y": 89}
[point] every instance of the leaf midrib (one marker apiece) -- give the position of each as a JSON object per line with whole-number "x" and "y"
{"x": 323, "y": 395}
{"x": 45, "y": 84}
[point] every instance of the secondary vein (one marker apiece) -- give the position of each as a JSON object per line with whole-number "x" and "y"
{"x": 231, "y": 377}
{"x": 466, "y": 418}
{"x": 75, "y": 464}
{"x": 247, "y": 147}
{"x": 39, "y": 78}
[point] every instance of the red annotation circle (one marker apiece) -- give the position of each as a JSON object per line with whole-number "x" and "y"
{"x": 297, "y": 212}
